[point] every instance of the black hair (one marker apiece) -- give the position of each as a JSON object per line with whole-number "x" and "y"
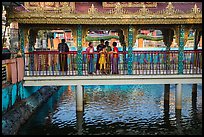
{"x": 102, "y": 40}
{"x": 114, "y": 43}
{"x": 63, "y": 40}
{"x": 106, "y": 43}
{"x": 90, "y": 43}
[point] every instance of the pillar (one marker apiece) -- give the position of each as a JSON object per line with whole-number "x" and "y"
{"x": 180, "y": 50}
{"x": 196, "y": 41}
{"x": 166, "y": 104}
{"x": 123, "y": 44}
{"x": 168, "y": 38}
{"x": 79, "y": 50}
{"x": 79, "y": 98}
{"x": 84, "y": 34}
{"x": 166, "y": 96}
{"x": 178, "y": 96}
{"x": 130, "y": 45}
{"x": 197, "y": 38}
{"x": 135, "y": 33}
{"x": 22, "y": 36}
{"x": 178, "y": 121}
{"x": 79, "y": 119}
{"x": 31, "y": 48}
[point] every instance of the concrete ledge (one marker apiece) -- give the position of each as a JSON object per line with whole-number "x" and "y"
{"x": 12, "y": 120}
{"x": 112, "y": 80}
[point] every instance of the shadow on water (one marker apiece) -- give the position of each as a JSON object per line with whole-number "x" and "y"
{"x": 119, "y": 110}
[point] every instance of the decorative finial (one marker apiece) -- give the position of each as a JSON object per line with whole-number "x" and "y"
{"x": 92, "y": 10}
{"x": 118, "y": 9}
{"x": 195, "y": 9}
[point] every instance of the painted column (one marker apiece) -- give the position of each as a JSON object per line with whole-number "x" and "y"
{"x": 22, "y": 36}
{"x": 196, "y": 39}
{"x": 178, "y": 96}
{"x": 130, "y": 44}
{"x": 167, "y": 43}
{"x": 79, "y": 98}
{"x": 180, "y": 50}
{"x": 31, "y": 49}
{"x": 168, "y": 38}
{"x": 79, "y": 49}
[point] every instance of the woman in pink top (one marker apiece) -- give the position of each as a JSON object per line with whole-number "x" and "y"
{"x": 90, "y": 57}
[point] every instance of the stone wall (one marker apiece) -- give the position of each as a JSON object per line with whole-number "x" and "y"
{"x": 21, "y": 111}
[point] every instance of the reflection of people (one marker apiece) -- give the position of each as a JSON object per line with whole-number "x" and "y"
{"x": 102, "y": 60}
{"x": 63, "y": 47}
{"x": 108, "y": 49}
{"x": 99, "y": 48}
{"x": 90, "y": 57}
{"x": 115, "y": 59}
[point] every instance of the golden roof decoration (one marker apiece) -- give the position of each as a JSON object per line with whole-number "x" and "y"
{"x": 195, "y": 10}
{"x": 118, "y": 9}
{"x": 49, "y": 6}
{"x": 92, "y": 10}
{"x": 64, "y": 13}
{"x": 144, "y": 11}
{"x": 130, "y": 4}
{"x": 170, "y": 10}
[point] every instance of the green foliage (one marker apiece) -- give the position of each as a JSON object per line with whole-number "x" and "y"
{"x": 88, "y": 38}
{"x": 149, "y": 37}
{"x": 190, "y": 38}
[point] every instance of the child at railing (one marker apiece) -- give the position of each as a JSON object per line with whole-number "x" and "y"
{"x": 102, "y": 60}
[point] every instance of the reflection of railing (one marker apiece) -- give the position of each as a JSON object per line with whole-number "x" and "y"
{"x": 144, "y": 63}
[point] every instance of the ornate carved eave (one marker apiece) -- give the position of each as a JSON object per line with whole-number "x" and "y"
{"x": 118, "y": 10}
{"x": 170, "y": 10}
{"x": 118, "y": 15}
{"x": 92, "y": 10}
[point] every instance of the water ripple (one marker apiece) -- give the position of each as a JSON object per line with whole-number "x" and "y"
{"x": 129, "y": 110}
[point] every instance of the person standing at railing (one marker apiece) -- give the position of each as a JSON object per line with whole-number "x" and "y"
{"x": 90, "y": 58}
{"x": 63, "y": 47}
{"x": 108, "y": 61}
{"x": 115, "y": 59}
{"x": 99, "y": 48}
{"x": 102, "y": 60}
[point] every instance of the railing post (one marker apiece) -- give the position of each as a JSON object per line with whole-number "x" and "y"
{"x": 79, "y": 49}
{"x": 130, "y": 44}
{"x": 180, "y": 50}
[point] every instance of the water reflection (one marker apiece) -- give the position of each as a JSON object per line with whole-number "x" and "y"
{"x": 128, "y": 110}
{"x": 80, "y": 121}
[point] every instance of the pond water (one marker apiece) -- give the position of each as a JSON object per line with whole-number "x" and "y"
{"x": 118, "y": 110}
